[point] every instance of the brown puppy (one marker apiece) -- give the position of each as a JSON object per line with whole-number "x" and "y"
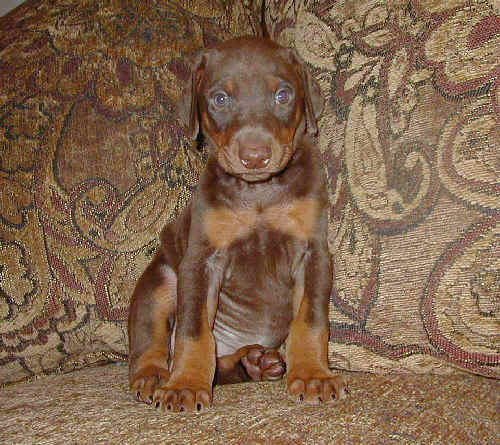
{"x": 246, "y": 266}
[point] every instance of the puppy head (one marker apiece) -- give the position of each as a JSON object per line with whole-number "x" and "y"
{"x": 253, "y": 100}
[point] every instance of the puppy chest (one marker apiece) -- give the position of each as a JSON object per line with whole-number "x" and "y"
{"x": 297, "y": 218}
{"x": 265, "y": 261}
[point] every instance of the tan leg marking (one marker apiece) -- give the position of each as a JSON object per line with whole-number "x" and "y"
{"x": 152, "y": 366}
{"x": 190, "y": 385}
{"x": 308, "y": 376}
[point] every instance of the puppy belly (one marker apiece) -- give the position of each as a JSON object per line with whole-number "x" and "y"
{"x": 243, "y": 321}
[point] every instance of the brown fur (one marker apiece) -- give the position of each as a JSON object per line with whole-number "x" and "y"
{"x": 246, "y": 267}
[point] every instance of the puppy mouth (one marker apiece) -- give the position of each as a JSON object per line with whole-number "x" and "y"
{"x": 275, "y": 166}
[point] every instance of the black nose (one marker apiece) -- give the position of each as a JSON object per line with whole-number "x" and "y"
{"x": 256, "y": 156}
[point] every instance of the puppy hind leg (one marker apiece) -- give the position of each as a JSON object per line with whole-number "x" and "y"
{"x": 250, "y": 363}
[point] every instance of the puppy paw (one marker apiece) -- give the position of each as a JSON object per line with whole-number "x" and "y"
{"x": 317, "y": 388}
{"x": 145, "y": 381}
{"x": 182, "y": 398}
{"x": 263, "y": 364}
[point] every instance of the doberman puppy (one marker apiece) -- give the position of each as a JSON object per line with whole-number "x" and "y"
{"x": 245, "y": 268}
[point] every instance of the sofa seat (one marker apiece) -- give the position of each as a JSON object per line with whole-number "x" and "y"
{"x": 94, "y": 406}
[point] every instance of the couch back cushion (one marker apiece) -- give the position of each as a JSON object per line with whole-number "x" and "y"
{"x": 92, "y": 165}
{"x": 411, "y": 140}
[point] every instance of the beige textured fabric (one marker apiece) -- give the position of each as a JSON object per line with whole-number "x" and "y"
{"x": 94, "y": 406}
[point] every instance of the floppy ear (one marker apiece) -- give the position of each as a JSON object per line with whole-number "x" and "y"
{"x": 187, "y": 109}
{"x": 313, "y": 99}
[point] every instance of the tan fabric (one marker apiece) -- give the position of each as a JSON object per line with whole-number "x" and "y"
{"x": 412, "y": 144}
{"x": 94, "y": 406}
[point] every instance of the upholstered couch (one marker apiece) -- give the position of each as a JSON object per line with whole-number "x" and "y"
{"x": 93, "y": 163}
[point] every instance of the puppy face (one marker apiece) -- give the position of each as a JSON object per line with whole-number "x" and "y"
{"x": 253, "y": 100}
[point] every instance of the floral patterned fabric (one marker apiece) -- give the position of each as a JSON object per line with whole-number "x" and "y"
{"x": 92, "y": 165}
{"x": 412, "y": 142}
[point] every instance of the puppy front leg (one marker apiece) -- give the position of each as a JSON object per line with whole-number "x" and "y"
{"x": 308, "y": 376}
{"x": 190, "y": 385}
{"x": 150, "y": 320}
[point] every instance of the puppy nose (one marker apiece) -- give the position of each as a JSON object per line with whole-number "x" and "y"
{"x": 253, "y": 157}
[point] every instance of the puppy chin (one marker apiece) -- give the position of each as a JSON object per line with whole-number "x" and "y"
{"x": 255, "y": 177}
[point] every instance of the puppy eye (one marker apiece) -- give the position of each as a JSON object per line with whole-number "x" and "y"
{"x": 283, "y": 96}
{"x": 221, "y": 99}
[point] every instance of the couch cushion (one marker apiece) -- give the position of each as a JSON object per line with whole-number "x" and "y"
{"x": 92, "y": 165}
{"x": 412, "y": 145}
{"x": 95, "y": 406}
